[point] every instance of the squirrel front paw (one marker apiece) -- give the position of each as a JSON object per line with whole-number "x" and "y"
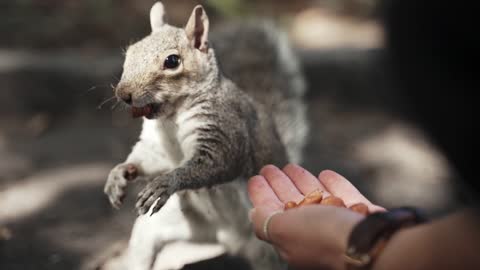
{"x": 117, "y": 182}
{"x": 159, "y": 188}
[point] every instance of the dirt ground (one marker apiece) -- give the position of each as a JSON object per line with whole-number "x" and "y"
{"x": 57, "y": 147}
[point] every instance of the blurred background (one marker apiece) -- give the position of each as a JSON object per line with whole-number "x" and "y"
{"x": 60, "y": 135}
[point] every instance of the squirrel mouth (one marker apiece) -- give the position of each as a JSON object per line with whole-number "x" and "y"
{"x": 149, "y": 111}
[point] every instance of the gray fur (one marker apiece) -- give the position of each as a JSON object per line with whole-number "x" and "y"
{"x": 210, "y": 133}
{"x": 257, "y": 57}
{"x": 241, "y": 138}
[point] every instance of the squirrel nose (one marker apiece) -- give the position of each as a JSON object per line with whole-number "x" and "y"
{"x": 127, "y": 98}
{"x": 124, "y": 92}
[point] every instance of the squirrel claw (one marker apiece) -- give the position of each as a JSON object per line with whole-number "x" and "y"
{"x": 153, "y": 196}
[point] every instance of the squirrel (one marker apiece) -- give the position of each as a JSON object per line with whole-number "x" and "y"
{"x": 208, "y": 126}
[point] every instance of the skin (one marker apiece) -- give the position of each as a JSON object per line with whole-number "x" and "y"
{"x": 315, "y": 236}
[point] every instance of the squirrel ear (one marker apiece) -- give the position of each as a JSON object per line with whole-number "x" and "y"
{"x": 197, "y": 29}
{"x": 156, "y": 16}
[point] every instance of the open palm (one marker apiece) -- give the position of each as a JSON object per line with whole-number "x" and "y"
{"x": 311, "y": 235}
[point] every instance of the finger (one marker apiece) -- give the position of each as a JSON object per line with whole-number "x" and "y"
{"x": 261, "y": 194}
{"x": 304, "y": 180}
{"x": 341, "y": 187}
{"x": 258, "y": 217}
{"x": 282, "y": 185}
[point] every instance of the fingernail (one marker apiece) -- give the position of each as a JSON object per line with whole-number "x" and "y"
{"x": 250, "y": 214}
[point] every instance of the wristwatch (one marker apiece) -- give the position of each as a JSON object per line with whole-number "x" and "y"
{"x": 369, "y": 237}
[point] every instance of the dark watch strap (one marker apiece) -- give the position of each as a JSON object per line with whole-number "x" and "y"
{"x": 370, "y": 235}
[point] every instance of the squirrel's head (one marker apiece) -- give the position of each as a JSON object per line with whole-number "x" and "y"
{"x": 168, "y": 65}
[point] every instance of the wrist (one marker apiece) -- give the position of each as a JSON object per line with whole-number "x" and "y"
{"x": 369, "y": 237}
{"x": 344, "y": 227}
{"x": 450, "y": 242}
{"x": 336, "y": 233}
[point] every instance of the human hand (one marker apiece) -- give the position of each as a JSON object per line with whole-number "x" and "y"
{"x": 312, "y": 236}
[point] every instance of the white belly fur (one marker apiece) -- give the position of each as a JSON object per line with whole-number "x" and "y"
{"x": 215, "y": 215}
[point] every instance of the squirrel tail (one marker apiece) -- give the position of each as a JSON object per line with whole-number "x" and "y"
{"x": 258, "y": 58}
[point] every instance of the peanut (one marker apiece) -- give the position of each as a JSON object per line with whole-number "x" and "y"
{"x": 141, "y": 111}
{"x": 290, "y": 205}
{"x": 137, "y": 112}
{"x": 314, "y": 197}
{"x": 315, "y": 194}
{"x": 333, "y": 201}
{"x": 360, "y": 208}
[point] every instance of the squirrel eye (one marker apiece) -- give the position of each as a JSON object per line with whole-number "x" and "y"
{"x": 172, "y": 61}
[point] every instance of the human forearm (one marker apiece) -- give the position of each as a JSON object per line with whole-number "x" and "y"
{"x": 316, "y": 236}
{"x": 448, "y": 243}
